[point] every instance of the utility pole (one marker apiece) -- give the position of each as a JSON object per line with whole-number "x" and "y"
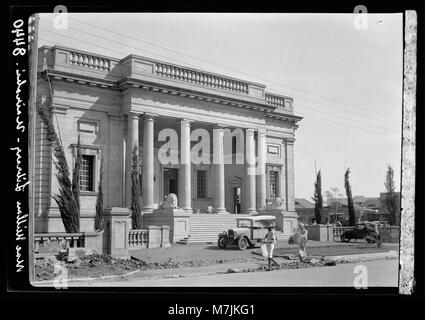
{"x": 32, "y": 97}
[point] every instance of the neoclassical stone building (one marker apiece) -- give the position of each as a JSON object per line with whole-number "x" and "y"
{"x": 114, "y": 105}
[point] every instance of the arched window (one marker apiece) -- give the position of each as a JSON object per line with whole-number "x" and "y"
{"x": 234, "y": 141}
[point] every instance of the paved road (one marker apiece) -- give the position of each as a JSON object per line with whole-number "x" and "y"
{"x": 211, "y": 253}
{"x": 379, "y": 273}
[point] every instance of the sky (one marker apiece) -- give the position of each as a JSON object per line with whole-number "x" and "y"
{"x": 346, "y": 82}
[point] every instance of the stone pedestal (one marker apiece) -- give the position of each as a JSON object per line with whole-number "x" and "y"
{"x": 176, "y": 219}
{"x": 117, "y": 226}
{"x": 320, "y": 232}
{"x": 286, "y": 221}
{"x": 165, "y": 237}
{"x": 154, "y": 234}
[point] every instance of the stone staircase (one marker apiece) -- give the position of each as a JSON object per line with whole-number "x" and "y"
{"x": 281, "y": 236}
{"x": 204, "y": 228}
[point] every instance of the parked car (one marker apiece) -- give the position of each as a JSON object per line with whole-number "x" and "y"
{"x": 364, "y": 230}
{"x": 248, "y": 232}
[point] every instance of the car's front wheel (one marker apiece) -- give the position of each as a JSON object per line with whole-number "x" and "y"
{"x": 345, "y": 238}
{"x": 222, "y": 242}
{"x": 371, "y": 239}
{"x": 243, "y": 243}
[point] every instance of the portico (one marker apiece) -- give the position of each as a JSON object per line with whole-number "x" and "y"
{"x": 177, "y": 137}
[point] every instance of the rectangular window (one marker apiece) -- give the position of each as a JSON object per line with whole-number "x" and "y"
{"x": 274, "y": 179}
{"x": 201, "y": 184}
{"x": 87, "y": 126}
{"x": 273, "y": 150}
{"x": 87, "y": 173}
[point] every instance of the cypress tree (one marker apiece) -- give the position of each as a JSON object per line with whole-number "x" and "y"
{"x": 350, "y": 202}
{"x": 98, "y": 221}
{"x": 136, "y": 211}
{"x": 318, "y": 199}
{"x": 66, "y": 199}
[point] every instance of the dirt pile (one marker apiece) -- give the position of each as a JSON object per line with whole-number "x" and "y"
{"x": 98, "y": 265}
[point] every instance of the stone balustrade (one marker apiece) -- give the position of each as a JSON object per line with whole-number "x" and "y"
{"x": 54, "y": 242}
{"x": 113, "y": 70}
{"x": 274, "y": 100}
{"x": 89, "y": 61}
{"x": 201, "y": 78}
{"x": 138, "y": 239}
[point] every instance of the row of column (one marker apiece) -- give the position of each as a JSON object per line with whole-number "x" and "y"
{"x": 255, "y": 173}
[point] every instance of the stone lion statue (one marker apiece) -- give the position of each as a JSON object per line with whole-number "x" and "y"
{"x": 275, "y": 203}
{"x": 170, "y": 202}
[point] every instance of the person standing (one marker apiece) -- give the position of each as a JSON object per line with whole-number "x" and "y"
{"x": 302, "y": 248}
{"x": 270, "y": 240}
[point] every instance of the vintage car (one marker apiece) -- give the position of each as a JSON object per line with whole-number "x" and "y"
{"x": 364, "y": 230}
{"x": 248, "y": 232}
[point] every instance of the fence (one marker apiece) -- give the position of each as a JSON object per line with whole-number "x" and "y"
{"x": 389, "y": 234}
{"x": 54, "y": 242}
{"x": 138, "y": 239}
{"x": 338, "y": 231}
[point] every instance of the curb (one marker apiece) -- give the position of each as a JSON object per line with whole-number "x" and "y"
{"x": 47, "y": 282}
{"x": 363, "y": 257}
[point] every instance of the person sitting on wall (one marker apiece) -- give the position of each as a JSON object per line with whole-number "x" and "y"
{"x": 302, "y": 246}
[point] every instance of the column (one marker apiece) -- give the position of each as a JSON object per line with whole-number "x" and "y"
{"x": 249, "y": 181}
{"x": 261, "y": 170}
{"x": 185, "y": 186}
{"x": 148, "y": 158}
{"x": 290, "y": 185}
{"x": 218, "y": 167}
{"x": 132, "y": 141}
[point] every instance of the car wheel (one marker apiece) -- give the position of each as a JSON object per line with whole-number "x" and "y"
{"x": 222, "y": 242}
{"x": 243, "y": 243}
{"x": 372, "y": 239}
{"x": 344, "y": 238}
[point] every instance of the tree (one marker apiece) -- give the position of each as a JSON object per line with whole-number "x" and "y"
{"x": 332, "y": 196}
{"x": 350, "y": 202}
{"x": 389, "y": 200}
{"x": 318, "y": 200}
{"x": 66, "y": 200}
{"x": 98, "y": 221}
{"x": 136, "y": 211}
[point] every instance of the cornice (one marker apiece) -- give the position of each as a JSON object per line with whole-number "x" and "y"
{"x": 127, "y": 83}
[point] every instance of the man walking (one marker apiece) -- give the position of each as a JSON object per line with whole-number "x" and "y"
{"x": 270, "y": 240}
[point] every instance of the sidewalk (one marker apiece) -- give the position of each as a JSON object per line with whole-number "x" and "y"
{"x": 260, "y": 261}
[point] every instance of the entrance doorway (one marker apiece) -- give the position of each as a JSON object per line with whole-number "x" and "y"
{"x": 171, "y": 181}
{"x": 237, "y": 200}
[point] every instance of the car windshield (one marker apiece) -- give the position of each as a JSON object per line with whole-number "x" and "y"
{"x": 265, "y": 223}
{"x": 244, "y": 223}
